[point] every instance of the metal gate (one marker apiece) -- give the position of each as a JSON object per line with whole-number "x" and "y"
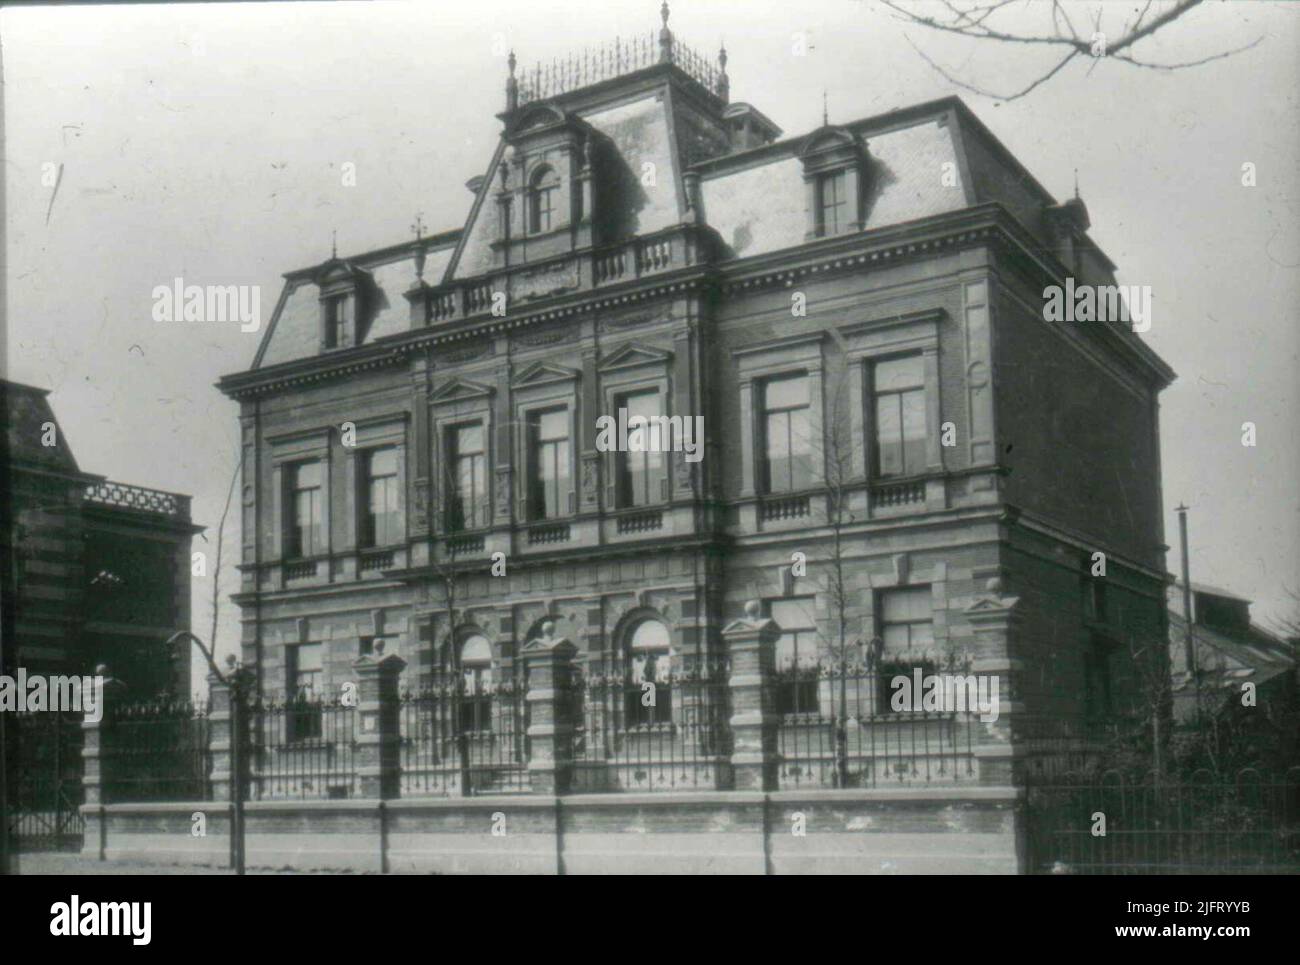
{"x": 45, "y": 808}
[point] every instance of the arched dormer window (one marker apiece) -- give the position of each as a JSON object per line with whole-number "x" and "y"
{"x": 649, "y": 651}
{"x": 834, "y": 169}
{"x": 476, "y": 684}
{"x": 543, "y": 191}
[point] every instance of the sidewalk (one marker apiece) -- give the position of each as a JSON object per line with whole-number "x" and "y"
{"x": 59, "y": 863}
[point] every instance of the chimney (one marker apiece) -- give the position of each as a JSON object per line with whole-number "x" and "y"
{"x": 748, "y": 127}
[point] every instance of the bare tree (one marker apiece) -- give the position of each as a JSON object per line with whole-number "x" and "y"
{"x": 1086, "y": 35}
{"x": 840, "y": 456}
{"x": 447, "y": 517}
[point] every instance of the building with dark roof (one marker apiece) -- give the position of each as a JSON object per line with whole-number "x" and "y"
{"x": 97, "y": 571}
{"x": 855, "y": 311}
{"x": 1229, "y": 652}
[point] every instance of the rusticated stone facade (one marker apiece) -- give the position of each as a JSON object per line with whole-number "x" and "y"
{"x": 604, "y": 258}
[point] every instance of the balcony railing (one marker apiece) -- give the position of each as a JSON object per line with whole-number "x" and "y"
{"x": 139, "y": 497}
{"x": 614, "y": 59}
{"x": 898, "y": 494}
{"x": 299, "y": 571}
{"x": 787, "y": 507}
{"x": 376, "y": 560}
{"x": 667, "y": 250}
{"x": 554, "y": 533}
{"x": 645, "y": 522}
{"x": 465, "y": 545}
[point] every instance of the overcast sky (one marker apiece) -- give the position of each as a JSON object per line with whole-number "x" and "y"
{"x": 206, "y": 142}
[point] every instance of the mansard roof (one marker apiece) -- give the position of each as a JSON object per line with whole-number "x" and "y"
{"x": 923, "y": 161}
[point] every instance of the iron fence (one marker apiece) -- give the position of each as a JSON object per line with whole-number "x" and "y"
{"x": 465, "y": 735}
{"x": 47, "y": 792}
{"x": 838, "y": 729}
{"x": 640, "y": 728}
{"x": 1049, "y": 747}
{"x": 302, "y": 747}
{"x": 1109, "y": 823}
{"x": 156, "y": 750}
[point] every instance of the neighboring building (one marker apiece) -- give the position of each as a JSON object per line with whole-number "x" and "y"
{"x": 97, "y": 571}
{"x": 1229, "y": 651}
{"x": 867, "y": 295}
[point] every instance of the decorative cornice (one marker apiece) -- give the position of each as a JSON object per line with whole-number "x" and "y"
{"x": 984, "y": 224}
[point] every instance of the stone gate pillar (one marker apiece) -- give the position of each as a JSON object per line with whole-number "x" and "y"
{"x": 378, "y": 723}
{"x": 994, "y": 618}
{"x": 751, "y": 644}
{"x": 548, "y": 664}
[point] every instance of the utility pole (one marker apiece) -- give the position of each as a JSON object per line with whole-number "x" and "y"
{"x": 1190, "y": 650}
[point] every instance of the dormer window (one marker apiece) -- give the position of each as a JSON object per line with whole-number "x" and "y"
{"x": 344, "y": 297}
{"x": 834, "y": 169}
{"x": 832, "y": 203}
{"x": 542, "y": 192}
{"x": 338, "y": 321}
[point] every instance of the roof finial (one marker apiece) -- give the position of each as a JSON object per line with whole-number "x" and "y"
{"x": 825, "y": 116}
{"x": 1076, "y": 183}
{"x": 334, "y": 243}
{"x": 418, "y": 228}
{"x": 512, "y": 84}
{"x": 665, "y": 37}
{"x": 724, "y": 82}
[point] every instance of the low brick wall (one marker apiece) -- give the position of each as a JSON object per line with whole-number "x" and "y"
{"x": 885, "y": 831}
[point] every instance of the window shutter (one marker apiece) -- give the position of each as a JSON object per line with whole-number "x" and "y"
{"x": 573, "y": 502}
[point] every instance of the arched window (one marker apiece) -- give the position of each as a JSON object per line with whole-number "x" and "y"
{"x": 542, "y": 192}
{"x": 649, "y": 661}
{"x": 476, "y": 684}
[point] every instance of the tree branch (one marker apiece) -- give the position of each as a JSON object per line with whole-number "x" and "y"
{"x": 972, "y": 20}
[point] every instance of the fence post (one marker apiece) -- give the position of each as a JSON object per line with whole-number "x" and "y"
{"x": 97, "y": 744}
{"x": 548, "y": 666}
{"x": 378, "y": 734}
{"x": 96, "y": 762}
{"x": 751, "y": 644}
{"x": 220, "y": 738}
{"x": 993, "y": 617}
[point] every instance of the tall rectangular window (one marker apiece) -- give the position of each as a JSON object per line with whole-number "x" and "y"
{"x": 303, "y": 529}
{"x": 787, "y": 435}
{"x": 303, "y": 672}
{"x": 1094, "y": 599}
{"x": 381, "y": 521}
{"x": 832, "y": 203}
{"x": 548, "y": 471}
{"x": 467, "y": 460}
{"x": 1096, "y": 679}
{"x": 899, "y": 403}
{"x": 906, "y": 623}
{"x": 796, "y": 655}
{"x": 641, "y": 475}
{"x": 338, "y": 321}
